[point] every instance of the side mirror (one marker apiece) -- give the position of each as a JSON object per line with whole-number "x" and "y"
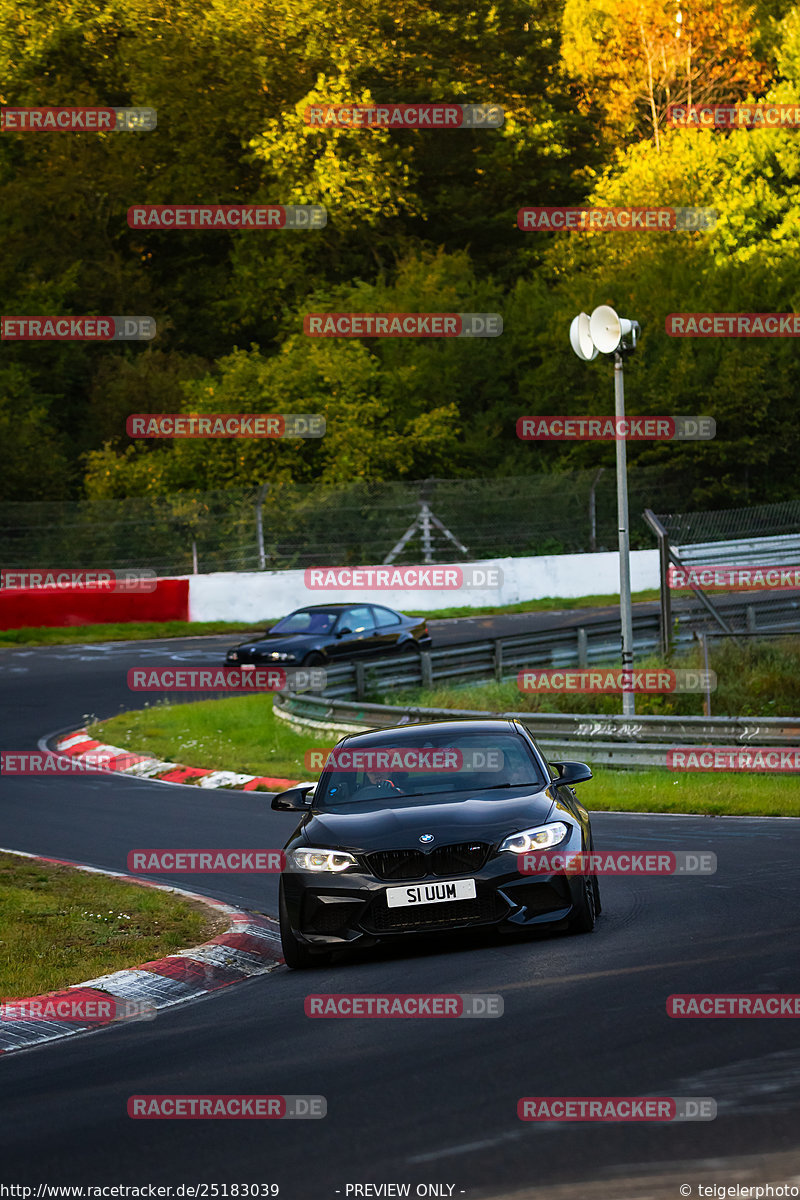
{"x": 572, "y": 772}
{"x": 343, "y": 632}
{"x": 294, "y": 799}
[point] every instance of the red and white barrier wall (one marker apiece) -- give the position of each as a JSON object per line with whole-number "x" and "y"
{"x": 33, "y": 607}
{"x": 254, "y": 596}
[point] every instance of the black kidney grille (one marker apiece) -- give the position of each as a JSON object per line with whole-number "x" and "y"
{"x": 398, "y": 864}
{"x": 443, "y": 860}
{"x": 464, "y": 856}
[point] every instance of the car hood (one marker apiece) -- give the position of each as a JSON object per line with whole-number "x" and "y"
{"x": 468, "y": 816}
{"x": 278, "y": 641}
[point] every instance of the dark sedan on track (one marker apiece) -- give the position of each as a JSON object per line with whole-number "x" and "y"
{"x": 324, "y": 634}
{"x": 425, "y": 829}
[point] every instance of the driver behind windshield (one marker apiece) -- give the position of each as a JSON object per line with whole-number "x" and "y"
{"x": 499, "y": 765}
{"x": 382, "y": 781}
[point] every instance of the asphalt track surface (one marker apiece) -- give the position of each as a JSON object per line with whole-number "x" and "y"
{"x": 409, "y": 1101}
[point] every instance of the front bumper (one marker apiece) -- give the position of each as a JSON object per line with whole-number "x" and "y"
{"x": 327, "y": 910}
{"x": 234, "y": 659}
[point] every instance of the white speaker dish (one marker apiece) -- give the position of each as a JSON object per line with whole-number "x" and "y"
{"x": 580, "y": 338}
{"x": 605, "y": 329}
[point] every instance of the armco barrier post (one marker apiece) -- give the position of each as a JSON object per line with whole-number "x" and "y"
{"x": 583, "y": 647}
{"x": 663, "y": 562}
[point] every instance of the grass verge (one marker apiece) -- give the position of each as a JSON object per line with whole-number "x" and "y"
{"x": 62, "y": 926}
{"x": 546, "y": 604}
{"x": 140, "y": 630}
{"x": 714, "y": 794}
{"x": 754, "y": 679}
{"x": 133, "y": 631}
{"x": 242, "y": 734}
{"x": 239, "y": 733}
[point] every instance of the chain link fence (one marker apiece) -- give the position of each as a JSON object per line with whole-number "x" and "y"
{"x": 358, "y": 524}
{"x": 732, "y": 524}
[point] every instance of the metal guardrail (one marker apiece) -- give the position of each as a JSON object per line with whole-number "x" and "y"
{"x": 774, "y": 550}
{"x": 605, "y": 740}
{"x": 562, "y": 727}
{"x": 501, "y": 658}
{"x": 782, "y": 550}
{"x": 756, "y": 520}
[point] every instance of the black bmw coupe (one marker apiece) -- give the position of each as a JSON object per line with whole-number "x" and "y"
{"x": 324, "y": 634}
{"x": 426, "y": 828}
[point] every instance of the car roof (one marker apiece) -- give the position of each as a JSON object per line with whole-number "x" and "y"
{"x": 339, "y": 606}
{"x": 403, "y": 733}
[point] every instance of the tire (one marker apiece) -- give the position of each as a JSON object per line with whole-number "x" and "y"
{"x": 313, "y": 660}
{"x": 295, "y": 955}
{"x": 585, "y": 910}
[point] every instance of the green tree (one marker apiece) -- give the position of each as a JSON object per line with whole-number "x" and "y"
{"x": 635, "y": 59}
{"x": 35, "y": 466}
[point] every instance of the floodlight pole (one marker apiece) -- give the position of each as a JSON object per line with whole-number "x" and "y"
{"x": 604, "y": 332}
{"x": 262, "y": 558}
{"x": 625, "y": 605}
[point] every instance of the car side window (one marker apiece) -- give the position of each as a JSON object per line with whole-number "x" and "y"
{"x": 385, "y": 616}
{"x": 298, "y": 622}
{"x": 357, "y": 620}
{"x": 320, "y": 622}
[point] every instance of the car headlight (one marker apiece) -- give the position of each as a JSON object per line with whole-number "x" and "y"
{"x": 233, "y": 656}
{"x": 309, "y": 859}
{"x": 281, "y": 656}
{"x": 540, "y": 838}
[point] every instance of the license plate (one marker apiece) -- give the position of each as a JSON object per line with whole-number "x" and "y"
{"x": 430, "y": 893}
{"x": 247, "y": 666}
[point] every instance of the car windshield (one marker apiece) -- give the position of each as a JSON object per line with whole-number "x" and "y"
{"x": 306, "y": 621}
{"x": 431, "y": 765}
